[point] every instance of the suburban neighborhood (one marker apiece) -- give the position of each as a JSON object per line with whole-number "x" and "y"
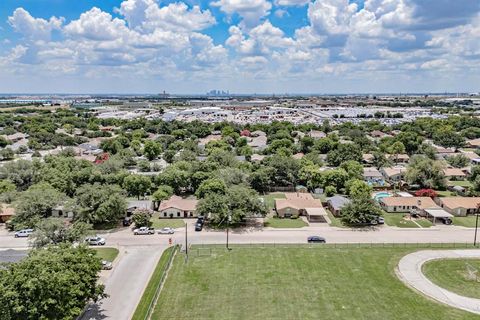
{"x": 239, "y": 160}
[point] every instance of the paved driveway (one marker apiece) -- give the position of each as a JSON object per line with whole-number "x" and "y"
{"x": 410, "y": 272}
{"x": 126, "y": 284}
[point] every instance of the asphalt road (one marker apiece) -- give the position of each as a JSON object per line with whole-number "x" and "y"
{"x": 126, "y": 283}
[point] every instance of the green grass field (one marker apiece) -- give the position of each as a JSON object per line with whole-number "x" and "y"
{"x": 285, "y": 223}
{"x": 149, "y": 293}
{"x": 468, "y": 221}
{"x": 164, "y": 223}
{"x": 454, "y": 275}
{"x": 108, "y": 254}
{"x": 294, "y": 282}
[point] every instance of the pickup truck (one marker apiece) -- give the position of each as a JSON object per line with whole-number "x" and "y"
{"x": 144, "y": 230}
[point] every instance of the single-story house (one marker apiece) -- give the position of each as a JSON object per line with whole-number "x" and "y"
{"x": 367, "y": 158}
{"x": 317, "y": 134}
{"x": 178, "y": 207}
{"x": 258, "y": 141}
{"x": 399, "y": 158}
{"x": 474, "y": 143}
{"x": 295, "y": 204}
{"x": 474, "y": 158}
{"x": 60, "y": 212}
{"x": 204, "y": 141}
{"x": 394, "y": 174}
{"x": 406, "y": 204}
{"x": 373, "y": 177}
{"x": 436, "y": 213}
{"x": 454, "y": 174}
{"x": 6, "y": 213}
{"x": 459, "y": 206}
{"x": 134, "y": 205}
{"x": 317, "y": 215}
{"x": 336, "y": 203}
{"x": 257, "y": 157}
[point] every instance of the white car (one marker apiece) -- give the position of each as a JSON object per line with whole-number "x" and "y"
{"x": 95, "y": 241}
{"x": 23, "y": 233}
{"x": 166, "y": 231}
{"x": 144, "y": 230}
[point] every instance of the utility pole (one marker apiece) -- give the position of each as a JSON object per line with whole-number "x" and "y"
{"x": 186, "y": 238}
{"x": 228, "y": 227}
{"x": 476, "y": 225}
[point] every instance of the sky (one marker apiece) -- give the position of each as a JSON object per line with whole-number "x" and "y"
{"x": 244, "y": 46}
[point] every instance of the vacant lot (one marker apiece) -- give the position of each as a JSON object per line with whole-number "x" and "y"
{"x": 461, "y": 276}
{"x": 296, "y": 282}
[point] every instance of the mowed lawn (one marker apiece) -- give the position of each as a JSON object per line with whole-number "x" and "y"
{"x": 108, "y": 254}
{"x": 294, "y": 283}
{"x": 468, "y": 221}
{"x": 159, "y": 223}
{"x": 456, "y": 275}
{"x": 285, "y": 223}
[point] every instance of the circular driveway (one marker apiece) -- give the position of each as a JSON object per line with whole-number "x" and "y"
{"x": 410, "y": 272}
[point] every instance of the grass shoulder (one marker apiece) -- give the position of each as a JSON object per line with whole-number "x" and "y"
{"x": 149, "y": 293}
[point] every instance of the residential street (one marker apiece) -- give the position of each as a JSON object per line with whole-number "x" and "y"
{"x": 126, "y": 283}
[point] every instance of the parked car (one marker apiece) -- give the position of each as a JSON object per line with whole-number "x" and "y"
{"x": 23, "y": 233}
{"x": 198, "y": 226}
{"x": 381, "y": 220}
{"x": 446, "y": 220}
{"x": 127, "y": 221}
{"x": 107, "y": 265}
{"x": 316, "y": 239}
{"x": 166, "y": 231}
{"x": 201, "y": 219}
{"x": 95, "y": 241}
{"x": 144, "y": 230}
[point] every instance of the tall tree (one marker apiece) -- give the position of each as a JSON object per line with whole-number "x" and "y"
{"x": 137, "y": 185}
{"x": 52, "y": 283}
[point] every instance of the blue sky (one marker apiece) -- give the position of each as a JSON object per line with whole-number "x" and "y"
{"x": 245, "y": 46}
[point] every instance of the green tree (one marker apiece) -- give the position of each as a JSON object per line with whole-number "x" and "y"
{"x": 163, "y": 193}
{"x": 426, "y": 173}
{"x": 330, "y": 191}
{"x": 34, "y": 204}
{"x": 151, "y": 150}
{"x": 358, "y": 189}
{"x": 396, "y": 148}
{"x": 343, "y": 153}
{"x": 137, "y": 185}
{"x": 447, "y": 137}
{"x": 353, "y": 168}
{"x": 52, "y": 283}
{"x": 141, "y": 218}
{"x": 99, "y": 204}
{"x": 22, "y": 173}
{"x": 212, "y": 185}
{"x": 360, "y": 211}
{"x": 311, "y": 176}
{"x": 6, "y": 186}
{"x": 458, "y": 161}
{"x": 56, "y": 230}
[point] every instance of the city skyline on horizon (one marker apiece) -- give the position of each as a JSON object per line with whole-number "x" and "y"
{"x": 302, "y": 47}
